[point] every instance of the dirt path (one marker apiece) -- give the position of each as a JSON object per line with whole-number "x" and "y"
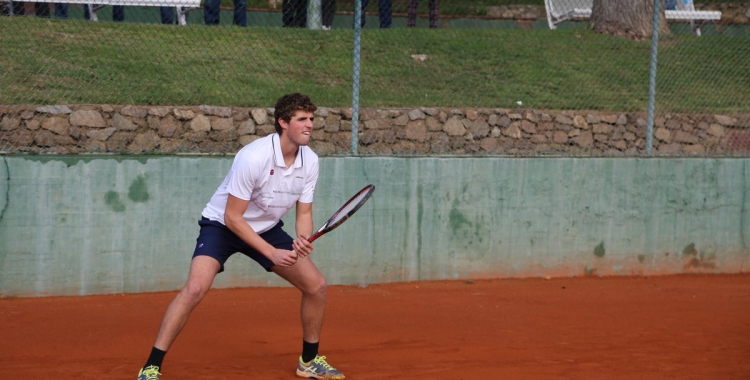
{"x": 671, "y": 327}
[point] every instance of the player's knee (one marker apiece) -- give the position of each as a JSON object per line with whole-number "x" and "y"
{"x": 194, "y": 291}
{"x": 317, "y": 287}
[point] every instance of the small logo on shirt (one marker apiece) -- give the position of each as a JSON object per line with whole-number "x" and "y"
{"x": 271, "y": 171}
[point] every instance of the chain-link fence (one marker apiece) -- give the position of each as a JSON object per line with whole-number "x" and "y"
{"x": 468, "y": 77}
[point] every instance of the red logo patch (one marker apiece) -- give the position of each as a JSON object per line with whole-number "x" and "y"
{"x": 271, "y": 171}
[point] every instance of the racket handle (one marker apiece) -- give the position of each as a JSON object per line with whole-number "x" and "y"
{"x": 311, "y": 239}
{"x": 314, "y": 236}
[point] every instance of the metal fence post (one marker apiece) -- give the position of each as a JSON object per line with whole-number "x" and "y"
{"x": 355, "y": 79}
{"x": 652, "y": 78}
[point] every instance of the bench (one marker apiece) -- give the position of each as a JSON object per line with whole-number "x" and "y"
{"x": 182, "y": 6}
{"x": 684, "y": 10}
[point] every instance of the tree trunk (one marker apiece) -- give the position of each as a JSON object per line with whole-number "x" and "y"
{"x": 630, "y": 18}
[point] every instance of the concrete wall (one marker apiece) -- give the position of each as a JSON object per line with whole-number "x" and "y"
{"x": 94, "y": 225}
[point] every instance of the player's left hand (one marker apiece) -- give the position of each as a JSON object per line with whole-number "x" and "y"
{"x": 302, "y": 246}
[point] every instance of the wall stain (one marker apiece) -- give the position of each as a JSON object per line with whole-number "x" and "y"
{"x": 138, "y": 190}
{"x": 420, "y": 216}
{"x": 690, "y": 250}
{"x": 599, "y": 250}
{"x": 112, "y": 199}
{"x": 589, "y": 271}
{"x": 6, "y": 201}
{"x": 405, "y": 242}
{"x": 457, "y": 218}
{"x": 699, "y": 263}
{"x": 699, "y": 260}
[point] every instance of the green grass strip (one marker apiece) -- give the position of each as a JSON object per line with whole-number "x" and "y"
{"x": 71, "y": 61}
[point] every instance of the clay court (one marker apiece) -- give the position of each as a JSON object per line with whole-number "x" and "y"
{"x": 665, "y": 327}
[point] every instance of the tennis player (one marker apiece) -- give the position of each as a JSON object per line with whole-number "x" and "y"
{"x": 267, "y": 178}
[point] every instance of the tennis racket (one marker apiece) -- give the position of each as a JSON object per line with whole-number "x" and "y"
{"x": 347, "y": 210}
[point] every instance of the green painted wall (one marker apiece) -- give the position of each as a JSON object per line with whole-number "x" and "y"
{"x": 93, "y": 225}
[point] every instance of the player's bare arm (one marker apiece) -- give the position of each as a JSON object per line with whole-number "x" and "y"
{"x": 304, "y": 228}
{"x": 234, "y": 220}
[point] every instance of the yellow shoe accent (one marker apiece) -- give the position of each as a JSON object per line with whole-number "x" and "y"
{"x": 149, "y": 373}
{"x": 318, "y": 368}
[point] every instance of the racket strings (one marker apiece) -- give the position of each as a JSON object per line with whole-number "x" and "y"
{"x": 349, "y": 207}
{"x": 345, "y": 211}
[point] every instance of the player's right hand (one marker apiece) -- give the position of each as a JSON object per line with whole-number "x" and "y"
{"x": 284, "y": 258}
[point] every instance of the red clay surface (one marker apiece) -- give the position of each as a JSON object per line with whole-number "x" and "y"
{"x": 671, "y": 327}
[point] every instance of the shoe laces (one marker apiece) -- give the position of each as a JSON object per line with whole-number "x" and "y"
{"x": 151, "y": 372}
{"x": 321, "y": 360}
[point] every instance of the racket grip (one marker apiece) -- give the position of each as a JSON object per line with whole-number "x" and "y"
{"x": 310, "y": 239}
{"x": 313, "y": 237}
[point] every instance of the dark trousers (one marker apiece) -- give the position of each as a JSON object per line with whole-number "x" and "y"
{"x": 212, "y": 8}
{"x": 118, "y": 13}
{"x": 329, "y": 10}
{"x": 19, "y": 8}
{"x": 167, "y": 15}
{"x": 61, "y": 10}
{"x": 385, "y": 12}
{"x": 412, "y": 13}
{"x": 294, "y": 13}
{"x": 41, "y": 9}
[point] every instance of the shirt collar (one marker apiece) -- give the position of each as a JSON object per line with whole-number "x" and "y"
{"x": 279, "y": 156}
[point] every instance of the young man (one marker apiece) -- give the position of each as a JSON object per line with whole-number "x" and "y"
{"x": 267, "y": 178}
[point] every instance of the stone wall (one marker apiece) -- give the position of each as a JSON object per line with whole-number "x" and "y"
{"x": 106, "y": 129}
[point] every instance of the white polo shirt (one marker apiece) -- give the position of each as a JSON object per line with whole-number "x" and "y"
{"x": 259, "y": 174}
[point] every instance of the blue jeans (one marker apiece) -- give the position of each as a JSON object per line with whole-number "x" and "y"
{"x": 167, "y": 15}
{"x": 385, "y": 12}
{"x": 211, "y": 12}
{"x": 61, "y": 10}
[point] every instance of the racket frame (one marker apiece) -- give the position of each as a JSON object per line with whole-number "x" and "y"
{"x": 331, "y": 223}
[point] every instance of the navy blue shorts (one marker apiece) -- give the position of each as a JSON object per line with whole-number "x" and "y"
{"x": 218, "y": 241}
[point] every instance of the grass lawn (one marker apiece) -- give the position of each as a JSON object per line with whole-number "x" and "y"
{"x": 72, "y": 61}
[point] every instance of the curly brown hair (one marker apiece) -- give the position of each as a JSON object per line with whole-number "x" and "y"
{"x": 288, "y": 105}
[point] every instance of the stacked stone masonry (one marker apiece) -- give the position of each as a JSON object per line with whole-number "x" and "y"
{"x": 104, "y": 129}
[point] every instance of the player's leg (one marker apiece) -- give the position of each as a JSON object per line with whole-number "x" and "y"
{"x": 203, "y": 270}
{"x": 306, "y": 277}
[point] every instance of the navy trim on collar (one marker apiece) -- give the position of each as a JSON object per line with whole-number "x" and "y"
{"x": 300, "y": 155}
